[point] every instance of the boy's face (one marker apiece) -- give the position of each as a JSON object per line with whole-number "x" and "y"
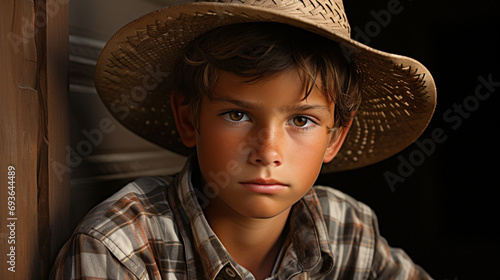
{"x": 261, "y": 145}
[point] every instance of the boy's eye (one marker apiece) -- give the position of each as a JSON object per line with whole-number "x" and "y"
{"x": 301, "y": 121}
{"x": 235, "y": 116}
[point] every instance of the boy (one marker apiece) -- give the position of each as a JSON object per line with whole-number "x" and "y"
{"x": 263, "y": 106}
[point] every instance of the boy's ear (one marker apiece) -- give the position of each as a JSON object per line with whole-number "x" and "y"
{"x": 183, "y": 119}
{"x": 336, "y": 142}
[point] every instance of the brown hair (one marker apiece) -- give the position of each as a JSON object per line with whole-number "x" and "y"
{"x": 258, "y": 50}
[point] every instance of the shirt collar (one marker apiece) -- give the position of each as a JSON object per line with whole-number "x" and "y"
{"x": 308, "y": 249}
{"x": 196, "y": 231}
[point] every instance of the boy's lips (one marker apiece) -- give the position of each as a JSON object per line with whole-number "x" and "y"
{"x": 265, "y": 186}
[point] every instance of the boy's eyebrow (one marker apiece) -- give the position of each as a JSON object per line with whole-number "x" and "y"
{"x": 249, "y": 105}
{"x": 307, "y": 107}
{"x": 236, "y": 102}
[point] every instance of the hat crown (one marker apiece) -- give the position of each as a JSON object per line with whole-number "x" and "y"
{"x": 329, "y": 14}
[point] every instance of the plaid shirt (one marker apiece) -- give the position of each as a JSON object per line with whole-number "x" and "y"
{"x": 154, "y": 228}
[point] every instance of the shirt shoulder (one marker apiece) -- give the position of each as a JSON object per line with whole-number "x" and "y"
{"x": 145, "y": 197}
{"x": 340, "y": 207}
{"x": 137, "y": 218}
{"x": 355, "y": 239}
{"x": 126, "y": 234}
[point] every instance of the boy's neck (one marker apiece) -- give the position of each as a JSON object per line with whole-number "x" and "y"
{"x": 252, "y": 243}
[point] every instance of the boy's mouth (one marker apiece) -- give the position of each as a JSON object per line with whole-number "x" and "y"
{"x": 264, "y": 186}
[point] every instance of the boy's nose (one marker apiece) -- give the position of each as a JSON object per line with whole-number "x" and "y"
{"x": 266, "y": 148}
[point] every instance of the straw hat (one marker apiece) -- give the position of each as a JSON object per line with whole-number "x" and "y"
{"x": 132, "y": 73}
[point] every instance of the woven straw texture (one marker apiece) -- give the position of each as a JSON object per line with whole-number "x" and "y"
{"x": 132, "y": 78}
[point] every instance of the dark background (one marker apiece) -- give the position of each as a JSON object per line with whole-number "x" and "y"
{"x": 444, "y": 215}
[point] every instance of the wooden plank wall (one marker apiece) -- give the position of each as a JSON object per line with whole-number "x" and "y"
{"x": 33, "y": 134}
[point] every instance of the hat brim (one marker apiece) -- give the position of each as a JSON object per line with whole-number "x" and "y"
{"x": 399, "y": 93}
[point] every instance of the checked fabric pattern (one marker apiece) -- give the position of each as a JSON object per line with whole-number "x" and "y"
{"x": 154, "y": 228}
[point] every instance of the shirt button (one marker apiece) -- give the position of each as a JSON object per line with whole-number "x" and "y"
{"x": 230, "y": 272}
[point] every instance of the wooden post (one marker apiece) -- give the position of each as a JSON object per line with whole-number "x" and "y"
{"x": 34, "y": 201}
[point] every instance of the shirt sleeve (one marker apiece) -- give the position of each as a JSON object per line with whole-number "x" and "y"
{"x": 85, "y": 257}
{"x": 393, "y": 263}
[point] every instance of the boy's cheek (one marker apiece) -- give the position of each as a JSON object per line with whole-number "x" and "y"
{"x": 218, "y": 148}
